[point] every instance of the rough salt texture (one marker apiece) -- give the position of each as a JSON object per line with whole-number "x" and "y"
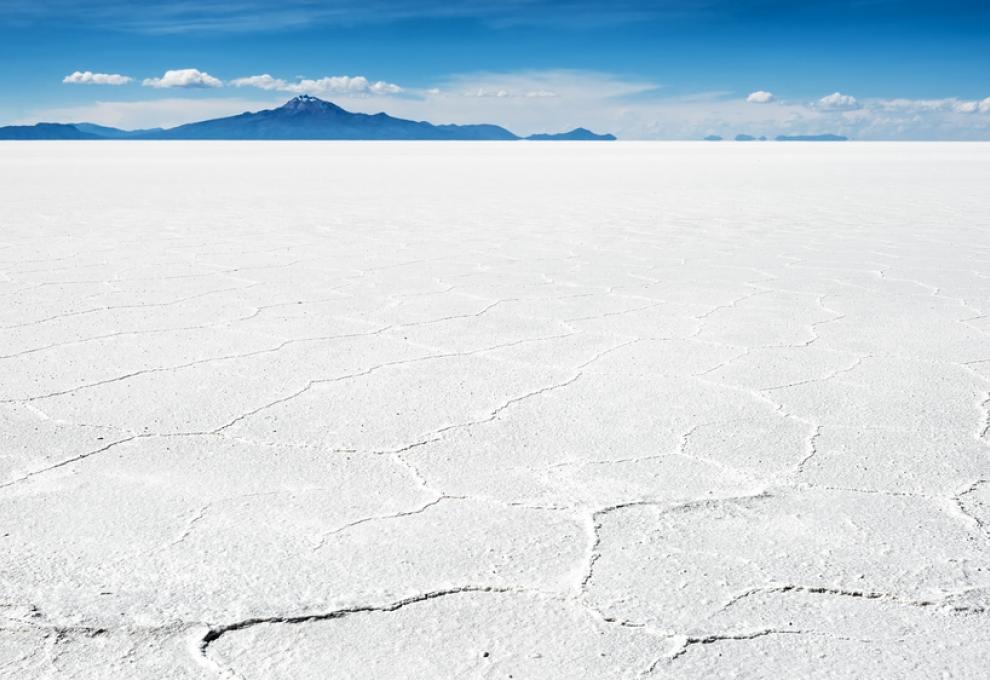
{"x": 494, "y": 411}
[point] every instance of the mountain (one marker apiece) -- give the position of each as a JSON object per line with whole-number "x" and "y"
{"x": 713, "y": 138}
{"x": 303, "y": 117}
{"x": 811, "y": 138}
{"x": 576, "y": 135}
{"x": 105, "y": 132}
{"x": 306, "y": 117}
{"x": 45, "y": 131}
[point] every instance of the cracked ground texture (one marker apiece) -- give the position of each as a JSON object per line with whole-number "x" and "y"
{"x": 418, "y": 411}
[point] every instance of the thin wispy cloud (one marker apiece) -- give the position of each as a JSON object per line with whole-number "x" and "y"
{"x": 183, "y": 78}
{"x": 90, "y": 78}
{"x": 483, "y": 92}
{"x": 548, "y": 84}
{"x": 952, "y": 104}
{"x": 171, "y": 16}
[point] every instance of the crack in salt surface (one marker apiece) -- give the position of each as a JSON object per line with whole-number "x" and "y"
{"x": 69, "y": 461}
{"x": 957, "y": 500}
{"x": 823, "y": 590}
{"x": 116, "y": 307}
{"x": 214, "y": 633}
{"x": 388, "y": 364}
{"x": 688, "y": 641}
{"x": 394, "y": 515}
{"x": 165, "y": 369}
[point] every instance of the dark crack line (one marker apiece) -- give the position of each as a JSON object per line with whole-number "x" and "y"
{"x": 214, "y": 633}
{"x": 70, "y": 461}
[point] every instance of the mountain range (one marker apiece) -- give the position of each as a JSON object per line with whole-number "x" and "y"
{"x": 301, "y": 118}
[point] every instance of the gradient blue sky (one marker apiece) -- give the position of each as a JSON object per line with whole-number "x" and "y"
{"x": 874, "y": 69}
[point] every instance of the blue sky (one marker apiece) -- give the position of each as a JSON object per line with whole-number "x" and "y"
{"x": 671, "y": 69}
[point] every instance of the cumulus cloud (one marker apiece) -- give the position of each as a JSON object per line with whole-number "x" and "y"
{"x": 262, "y": 82}
{"x": 982, "y": 106}
{"x": 838, "y": 102}
{"x": 183, "y": 77}
{"x": 90, "y": 78}
{"x": 330, "y": 85}
{"x": 760, "y": 97}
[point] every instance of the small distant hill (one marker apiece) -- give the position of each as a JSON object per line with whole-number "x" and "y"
{"x": 811, "y": 138}
{"x": 45, "y": 131}
{"x": 301, "y": 118}
{"x": 713, "y": 138}
{"x": 575, "y": 135}
{"x": 105, "y": 132}
{"x": 749, "y": 138}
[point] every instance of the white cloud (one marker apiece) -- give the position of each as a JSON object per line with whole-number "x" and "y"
{"x": 184, "y": 77}
{"x": 262, "y": 82}
{"x": 381, "y": 87}
{"x": 330, "y": 85}
{"x": 760, "y": 97}
{"x": 90, "y": 78}
{"x": 838, "y": 102}
{"x": 482, "y": 92}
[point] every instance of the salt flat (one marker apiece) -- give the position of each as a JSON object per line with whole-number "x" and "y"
{"x": 532, "y": 411}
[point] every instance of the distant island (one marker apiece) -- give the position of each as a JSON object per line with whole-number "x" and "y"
{"x": 575, "y": 135}
{"x": 811, "y": 138}
{"x": 783, "y": 138}
{"x": 301, "y": 118}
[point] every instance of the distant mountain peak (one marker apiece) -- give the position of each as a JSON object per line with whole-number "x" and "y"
{"x": 307, "y": 102}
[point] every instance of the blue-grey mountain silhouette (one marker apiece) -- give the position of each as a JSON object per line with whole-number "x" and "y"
{"x": 45, "y": 131}
{"x": 576, "y": 135}
{"x": 302, "y": 118}
{"x": 111, "y": 132}
{"x": 811, "y": 138}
